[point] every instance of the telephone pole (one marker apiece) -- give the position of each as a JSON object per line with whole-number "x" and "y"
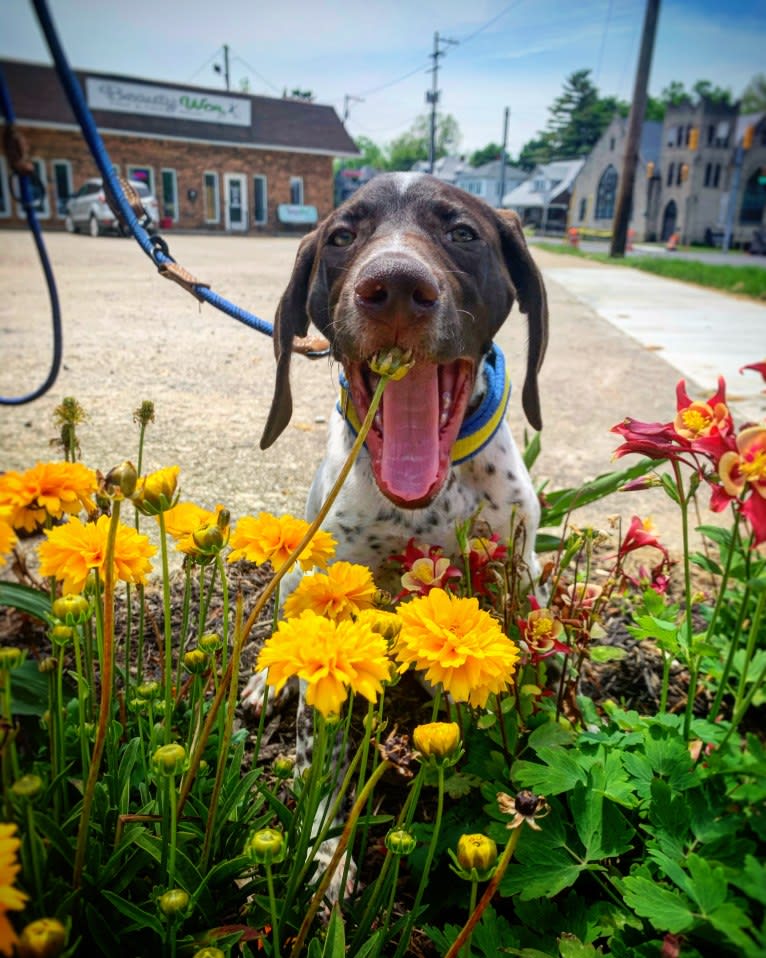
{"x": 635, "y": 123}
{"x": 503, "y": 154}
{"x": 432, "y": 96}
{"x": 225, "y": 70}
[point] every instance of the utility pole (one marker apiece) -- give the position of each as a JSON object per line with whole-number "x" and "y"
{"x": 346, "y": 101}
{"x": 503, "y": 155}
{"x": 217, "y": 66}
{"x": 432, "y": 96}
{"x": 635, "y": 123}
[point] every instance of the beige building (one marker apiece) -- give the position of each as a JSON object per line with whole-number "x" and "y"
{"x": 595, "y": 190}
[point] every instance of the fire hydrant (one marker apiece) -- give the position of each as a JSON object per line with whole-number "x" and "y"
{"x": 574, "y": 236}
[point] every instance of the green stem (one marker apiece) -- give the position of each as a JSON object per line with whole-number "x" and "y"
{"x": 692, "y": 657}
{"x": 710, "y": 632}
{"x": 273, "y": 910}
{"x": 167, "y": 631}
{"x": 471, "y": 908}
{"x": 105, "y": 708}
{"x": 413, "y": 915}
{"x": 170, "y": 795}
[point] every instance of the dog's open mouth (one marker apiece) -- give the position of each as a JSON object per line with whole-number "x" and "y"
{"x": 417, "y": 423}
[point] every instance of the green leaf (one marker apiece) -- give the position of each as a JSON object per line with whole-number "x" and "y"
{"x": 560, "y": 773}
{"x": 665, "y": 908}
{"x": 606, "y": 653}
{"x": 571, "y": 947}
{"x": 543, "y": 865}
{"x": 139, "y": 917}
{"x": 601, "y": 828}
{"x": 335, "y": 940}
{"x": 558, "y": 505}
{"x": 26, "y": 599}
{"x": 708, "y": 884}
{"x": 752, "y": 879}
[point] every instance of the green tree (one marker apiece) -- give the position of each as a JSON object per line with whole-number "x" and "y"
{"x": 578, "y": 116}
{"x": 705, "y": 90}
{"x": 754, "y": 95}
{"x": 412, "y": 146}
{"x": 486, "y": 154}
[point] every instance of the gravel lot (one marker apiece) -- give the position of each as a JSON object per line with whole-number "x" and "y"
{"x": 130, "y": 335}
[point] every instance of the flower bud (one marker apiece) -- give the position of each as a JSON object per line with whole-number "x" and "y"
{"x": 210, "y": 643}
{"x": 174, "y": 903}
{"x": 399, "y": 841}
{"x": 44, "y": 938}
{"x": 145, "y": 413}
{"x": 28, "y": 786}
{"x": 208, "y": 539}
{"x": 156, "y": 492}
{"x": 394, "y": 363}
{"x": 476, "y": 852}
{"x": 266, "y": 846}
{"x": 73, "y": 609}
{"x": 10, "y": 658}
{"x": 122, "y": 478}
{"x": 223, "y": 519}
{"x": 209, "y": 952}
{"x": 283, "y": 766}
{"x": 438, "y": 740}
{"x": 149, "y": 690}
{"x": 61, "y": 635}
{"x": 48, "y": 664}
{"x": 196, "y": 661}
{"x": 169, "y": 759}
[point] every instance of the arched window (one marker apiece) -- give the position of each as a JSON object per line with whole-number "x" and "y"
{"x": 754, "y": 197}
{"x": 607, "y": 191}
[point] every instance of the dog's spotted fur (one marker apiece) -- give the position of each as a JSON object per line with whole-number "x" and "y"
{"x": 412, "y": 262}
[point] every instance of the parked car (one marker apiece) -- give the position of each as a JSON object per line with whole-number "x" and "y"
{"x": 88, "y": 209}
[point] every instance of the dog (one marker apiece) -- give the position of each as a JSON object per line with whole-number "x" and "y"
{"x": 412, "y": 262}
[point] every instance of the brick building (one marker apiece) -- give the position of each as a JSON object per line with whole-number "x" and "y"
{"x": 218, "y": 161}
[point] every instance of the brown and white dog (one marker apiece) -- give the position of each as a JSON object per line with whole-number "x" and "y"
{"x": 412, "y": 262}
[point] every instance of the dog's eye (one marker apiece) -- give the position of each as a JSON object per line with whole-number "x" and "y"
{"x": 341, "y": 237}
{"x": 462, "y": 234}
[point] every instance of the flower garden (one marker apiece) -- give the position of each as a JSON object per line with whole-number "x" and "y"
{"x": 519, "y": 809}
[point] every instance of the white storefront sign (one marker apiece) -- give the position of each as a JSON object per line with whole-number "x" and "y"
{"x": 120, "y": 96}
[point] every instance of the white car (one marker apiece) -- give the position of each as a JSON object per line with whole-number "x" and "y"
{"x": 89, "y": 211}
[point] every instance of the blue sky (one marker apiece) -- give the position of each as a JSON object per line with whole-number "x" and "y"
{"x": 514, "y": 54}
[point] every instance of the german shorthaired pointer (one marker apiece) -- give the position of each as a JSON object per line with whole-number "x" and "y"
{"x": 412, "y": 262}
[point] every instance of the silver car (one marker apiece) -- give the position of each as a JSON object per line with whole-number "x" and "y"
{"x": 89, "y": 210}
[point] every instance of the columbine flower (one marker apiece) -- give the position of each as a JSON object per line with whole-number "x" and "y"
{"x": 156, "y": 492}
{"x": 11, "y": 899}
{"x": 540, "y": 632}
{"x": 696, "y": 419}
{"x": 343, "y": 591}
{"x": 331, "y": 657}
{"x": 483, "y": 553}
{"x": 185, "y": 521}
{"x": 425, "y": 568}
{"x": 457, "y": 645}
{"x": 641, "y": 532}
{"x": 47, "y": 490}
{"x": 743, "y": 471}
{"x": 268, "y": 538}
{"x": 756, "y": 367}
{"x": 73, "y": 549}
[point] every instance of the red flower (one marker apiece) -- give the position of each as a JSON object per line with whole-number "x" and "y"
{"x": 757, "y": 367}
{"x": 656, "y": 440}
{"x": 640, "y": 534}
{"x": 483, "y": 551}
{"x": 425, "y": 568}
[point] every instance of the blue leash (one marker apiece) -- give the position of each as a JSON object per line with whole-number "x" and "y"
{"x": 154, "y": 246}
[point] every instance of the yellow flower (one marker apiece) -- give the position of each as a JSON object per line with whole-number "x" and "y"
{"x": 331, "y": 657}
{"x": 476, "y": 852}
{"x": 155, "y": 492}
{"x": 44, "y": 938}
{"x": 268, "y": 538}
{"x": 384, "y": 623}
{"x": 48, "y": 489}
{"x": 457, "y": 645}
{"x": 436, "y": 739}
{"x": 11, "y": 899}
{"x": 73, "y": 549}
{"x": 7, "y": 535}
{"x": 343, "y": 591}
{"x": 187, "y": 518}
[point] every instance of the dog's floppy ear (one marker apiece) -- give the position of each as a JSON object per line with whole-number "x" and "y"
{"x": 291, "y": 320}
{"x": 532, "y": 301}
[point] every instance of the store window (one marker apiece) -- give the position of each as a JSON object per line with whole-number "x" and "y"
{"x": 144, "y": 174}
{"x": 62, "y": 180}
{"x": 39, "y": 191}
{"x": 169, "y": 194}
{"x": 296, "y": 190}
{"x": 212, "y": 198}
{"x": 607, "y": 193}
{"x": 260, "y": 200}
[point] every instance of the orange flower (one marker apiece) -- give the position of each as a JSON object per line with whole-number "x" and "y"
{"x": 343, "y": 591}
{"x": 7, "y": 535}
{"x": 47, "y": 490}
{"x": 457, "y": 645}
{"x": 186, "y": 518}
{"x": 73, "y": 549}
{"x": 331, "y": 657}
{"x": 268, "y": 538}
{"x": 11, "y": 899}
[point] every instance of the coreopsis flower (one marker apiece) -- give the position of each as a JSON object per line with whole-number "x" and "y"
{"x": 526, "y": 807}
{"x": 742, "y": 473}
{"x": 49, "y": 490}
{"x": 186, "y": 520}
{"x": 476, "y": 857}
{"x": 341, "y": 592}
{"x": 11, "y": 899}
{"x": 331, "y": 657}
{"x": 156, "y": 492}
{"x": 76, "y": 547}
{"x": 437, "y": 740}
{"x": 268, "y": 538}
{"x": 174, "y": 903}
{"x": 384, "y": 623}
{"x": 424, "y": 568}
{"x": 7, "y": 535}
{"x": 43, "y": 938}
{"x": 267, "y": 846}
{"x": 457, "y": 645}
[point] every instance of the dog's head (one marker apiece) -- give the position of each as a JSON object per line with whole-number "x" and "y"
{"x": 411, "y": 261}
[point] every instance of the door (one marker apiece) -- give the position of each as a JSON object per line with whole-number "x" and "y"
{"x": 669, "y": 221}
{"x": 235, "y": 195}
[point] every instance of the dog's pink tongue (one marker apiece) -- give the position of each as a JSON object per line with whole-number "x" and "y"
{"x": 410, "y": 453}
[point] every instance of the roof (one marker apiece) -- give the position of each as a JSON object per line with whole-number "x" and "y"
{"x": 491, "y": 170}
{"x": 261, "y": 122}
{"x": 562, "y": 173}
{"x": 445, "y": 167}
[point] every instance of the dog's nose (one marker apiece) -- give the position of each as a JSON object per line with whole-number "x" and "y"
{"x": 396, "y": 287}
